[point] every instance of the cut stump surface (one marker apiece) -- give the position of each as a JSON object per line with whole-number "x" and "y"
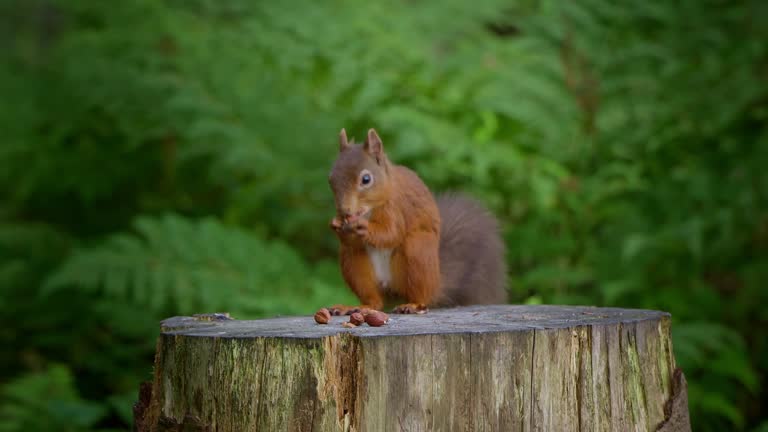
{"x": 482, "y": 368}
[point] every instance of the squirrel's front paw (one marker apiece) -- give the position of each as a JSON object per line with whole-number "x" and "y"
{"x": 335, "y": 223}
{"x": 361, "y": 229}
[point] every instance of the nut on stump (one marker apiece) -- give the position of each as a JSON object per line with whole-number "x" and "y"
{"x": 357, "y": 318}
{"x": 322, "y": 316}
{"x": 376, "y": 318}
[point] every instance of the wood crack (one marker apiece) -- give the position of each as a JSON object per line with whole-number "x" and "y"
{"x": 269, "y": 374}
{"x": 579, "y": 387}
{"x": 609, "y": 380}
{"x": 432, "y": 401}
{"x": 471, "y": 378}
{"x": 259, "y": 411}
{"x": 533, "y": 357}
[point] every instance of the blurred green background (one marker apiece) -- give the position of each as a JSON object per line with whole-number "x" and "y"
{"x": 170, "y": 157}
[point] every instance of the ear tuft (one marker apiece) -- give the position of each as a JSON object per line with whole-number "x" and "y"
{"x": 343, "y": 143}
{"x": 373, "y": 145}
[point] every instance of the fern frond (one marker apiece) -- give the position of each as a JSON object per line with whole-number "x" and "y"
{"x": 188, "y": 266}
{"x": 46, "y": 400}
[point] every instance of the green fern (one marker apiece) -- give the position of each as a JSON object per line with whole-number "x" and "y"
{"x": 622, "y": 144}
{"x": 184, "y": 266}
{"x": 46, "y": 401}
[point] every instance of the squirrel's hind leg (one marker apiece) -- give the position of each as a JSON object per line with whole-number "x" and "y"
{"x": 417, "y": 272}
{"x": 358, "y": 272}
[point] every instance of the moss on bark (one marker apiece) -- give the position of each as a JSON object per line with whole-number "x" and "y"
{"x": 508, "y": 368}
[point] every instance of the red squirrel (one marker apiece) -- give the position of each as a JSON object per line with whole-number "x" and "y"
{"x": 398, "y": 242}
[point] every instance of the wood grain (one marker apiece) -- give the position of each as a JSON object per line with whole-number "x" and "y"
{"x": 490, "y": 368}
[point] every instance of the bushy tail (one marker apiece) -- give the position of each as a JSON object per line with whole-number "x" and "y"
{"x": 472, "y": 261}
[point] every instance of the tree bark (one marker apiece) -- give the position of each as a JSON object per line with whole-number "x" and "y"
{"x": 491, "y": 368}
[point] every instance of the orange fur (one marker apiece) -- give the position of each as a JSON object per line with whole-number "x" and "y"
{"x": 357, "y": 271}
{"x": 395, "y": 211}
{"x": 416, "y": 268}
{"x": 442, "y": 253}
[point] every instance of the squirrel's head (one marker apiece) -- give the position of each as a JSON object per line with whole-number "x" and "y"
{"x": 360, "y": 176}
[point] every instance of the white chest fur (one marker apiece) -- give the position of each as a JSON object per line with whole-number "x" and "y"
{"x": 380, "y": 259}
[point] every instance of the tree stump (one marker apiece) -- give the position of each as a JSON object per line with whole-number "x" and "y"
{"x": 490, "y": 368}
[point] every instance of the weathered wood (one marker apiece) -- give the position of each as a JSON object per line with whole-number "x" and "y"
{"x": 492, "y": 368}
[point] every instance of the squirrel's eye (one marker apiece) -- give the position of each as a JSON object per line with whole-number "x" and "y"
{"x": 366, "y": 179}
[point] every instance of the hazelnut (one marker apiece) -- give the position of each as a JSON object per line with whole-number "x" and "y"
{"x": 322, "y": 316}
{"x": 356, "y": 318}
{"x": 348, "y": 325}
{"x": 376, "y": 318}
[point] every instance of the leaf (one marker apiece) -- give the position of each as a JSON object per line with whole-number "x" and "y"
{"x": 186, "y": 265}
{"x": 46, "y": 400}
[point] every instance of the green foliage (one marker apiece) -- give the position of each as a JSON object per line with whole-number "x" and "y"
{"x": 44, "y": 401}
{"x": 169, "y": 157}
{"x": 182, "y": 266}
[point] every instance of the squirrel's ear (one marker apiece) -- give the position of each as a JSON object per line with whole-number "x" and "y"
{"x": 373, "y": 145}
{"x": 343, "y": 143}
